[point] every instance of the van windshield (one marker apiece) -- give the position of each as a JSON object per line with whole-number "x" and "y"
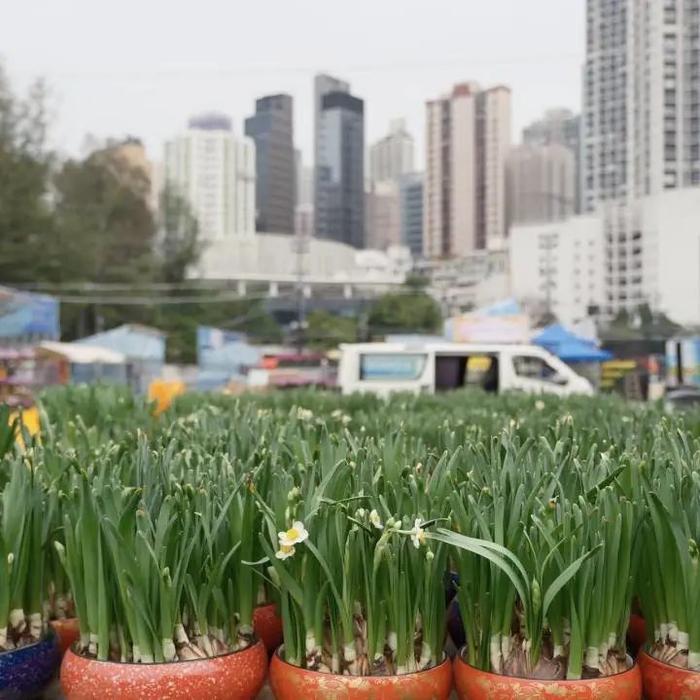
{"x": 396, "y": 367}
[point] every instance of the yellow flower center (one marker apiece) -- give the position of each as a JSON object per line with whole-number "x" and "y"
{"x": 292, "y": 533}
{"x": 286, "y": 548}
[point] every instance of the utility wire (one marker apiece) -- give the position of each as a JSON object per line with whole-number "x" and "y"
{"x": 280, "y": 69}
{"x": 159, "y": 301}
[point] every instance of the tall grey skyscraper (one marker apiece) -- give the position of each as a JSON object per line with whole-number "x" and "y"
{"x": 339, "y": 169}
{"x": 563, "y": 128}
{"x": 323, "y": 84}
{"x": 411, "y": 212}
{"x": 392, "y": 156}
{"x": 641, "y": 118}
{"x": 541, "y": 183}
{"x": 467, "y": 143}
{"x": 271, "y": 127}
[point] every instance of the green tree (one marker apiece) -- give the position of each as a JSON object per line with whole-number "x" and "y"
{"x": 643, "y": 323}
{"x": 104, "y": 221}
{"x": 25, "y": 163}
{"x": 180, "y": 322}
{"x": 325, "y": 330}
{"x": 409, "y": 311}
{"x": 105, "y": 233}
{"x": 179, "y": 244}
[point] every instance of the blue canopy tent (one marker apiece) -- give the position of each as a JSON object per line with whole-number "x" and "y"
{"x": 570, "y": 347}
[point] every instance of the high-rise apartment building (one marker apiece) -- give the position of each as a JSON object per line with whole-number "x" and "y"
{"x": 392, "y": 156}
{"x": 389, "y": 159}
{"x": 467, "y": 144}
{"x": 563, "y": 128}
{"x": 411, "y": 212}
{"x": 382, "y": 215}
{"x": 339, "y": 211}
{"x": 215, "y": 172}
{"x": 541, "y": 184}
{"x": 640, "y": 128}
{"x": 641, "y": 118}
{"x": 271, "y": 127}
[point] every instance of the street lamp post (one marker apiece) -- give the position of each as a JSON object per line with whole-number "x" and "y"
{"x": 300, "y": 246}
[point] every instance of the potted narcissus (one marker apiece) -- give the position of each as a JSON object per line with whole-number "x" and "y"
{"x": 29, "y": 654}
{"x": 669, "y": 579}
{"x": 249, "y": 448}
{"x": 544, "y": 544}
{"x": 163, "y": 598}
{"x": 362, "y": 602}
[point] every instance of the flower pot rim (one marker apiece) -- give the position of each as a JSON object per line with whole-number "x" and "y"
{"x": 643, "y": 652}
{"x": 153, "y": 664}
{"x": 460, "y": 658}
{"x": 50, "y": 634}
{"x": 277, "y": 654}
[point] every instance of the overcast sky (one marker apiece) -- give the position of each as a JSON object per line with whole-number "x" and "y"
{"x": 142, "y": 67}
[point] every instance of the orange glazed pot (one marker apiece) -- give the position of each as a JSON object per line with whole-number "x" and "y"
{"x": 67, "y": 630}
{"x": 235, "y": 676}
{"x": 268, "y": 626}
{"x": 473, "y": 684}
{"x": 665, "y": 682}
{"x": 293, "y": 683}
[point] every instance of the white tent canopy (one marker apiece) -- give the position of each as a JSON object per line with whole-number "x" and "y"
{"x": 83, "y": 354}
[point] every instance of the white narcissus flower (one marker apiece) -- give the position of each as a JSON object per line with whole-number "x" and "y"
{"x": 295, "y": 535}
{"x": 285, "y": 552}
{"x": 417, "y": 534}
{"x": 539, "y": 405}
{"x": 376, "y": 520}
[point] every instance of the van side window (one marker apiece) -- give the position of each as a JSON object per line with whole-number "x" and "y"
{"x": 392, "y": 367}
{"x": 533, "y": 367}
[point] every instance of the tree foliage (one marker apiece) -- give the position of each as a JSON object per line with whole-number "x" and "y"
{"x": 85, "y": 221}
{"x": 641, "y": 323}
{"x": 409, "y": 311}
{"x": 25, "y": 212}
{"x": 325, "y": 330}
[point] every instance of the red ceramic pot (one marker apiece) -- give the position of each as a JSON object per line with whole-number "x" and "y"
{"x": 665, "y": 682}
{"x": 268, "y": 626}
{"x": 473, "y": 684}
{"x": 293, "y": 683}
{"x": 67, "y": 630}
{"x": 636, "y": 633}
{"x": 236, "y": 676}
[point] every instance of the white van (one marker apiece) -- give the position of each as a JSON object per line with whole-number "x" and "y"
{"x": 385, "y": 368}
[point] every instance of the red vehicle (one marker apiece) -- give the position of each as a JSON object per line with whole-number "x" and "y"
{"x": 289, "y": 371}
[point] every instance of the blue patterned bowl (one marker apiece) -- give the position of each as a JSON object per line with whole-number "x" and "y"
{"x": 26, "y": 671}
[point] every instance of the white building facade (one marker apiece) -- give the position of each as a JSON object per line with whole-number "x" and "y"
{"x": 626, "y": 255}
{"x": 467, "y": 144}
{"x": 670, "y": 255}
{"x": 558, "y": 267}
{"x": 215, "y": 172}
